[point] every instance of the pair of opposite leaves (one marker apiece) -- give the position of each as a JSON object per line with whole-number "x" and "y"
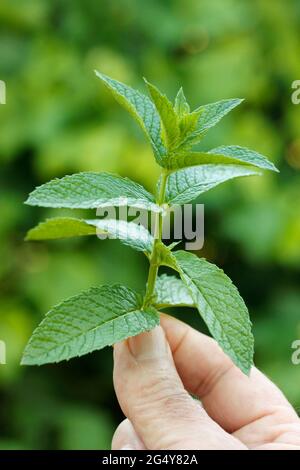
{"x": 104, "y": 315}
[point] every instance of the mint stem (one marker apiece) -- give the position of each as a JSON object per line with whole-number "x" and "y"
{"x": 154, "y": 259}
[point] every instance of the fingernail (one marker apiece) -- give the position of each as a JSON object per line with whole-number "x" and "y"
{"x": 150, "y": 345}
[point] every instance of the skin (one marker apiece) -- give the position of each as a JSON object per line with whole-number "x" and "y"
{"x": 153, "y": 376}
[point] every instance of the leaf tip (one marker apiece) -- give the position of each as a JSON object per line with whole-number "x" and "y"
{"x": 271, "y": 167}
{"x": 28, "y": 360}
{"x": 151, "y": 88}
{"x": 101, "y": 75}
{"x": 25, "y": 361}
{"x": 31, "y": 235}
{"x": 30, "y": 201}
{"x": 246, "y": 369}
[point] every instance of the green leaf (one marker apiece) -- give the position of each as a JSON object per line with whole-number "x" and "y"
{"x": 167, "y": 114}
{"x": 232, "y": 154}
{"x": 91, "y": 190}
{"x": 95, "y": 318}
{"x": 141, "y": 108}
{"x": 212, "y": 113}
{"x": 185, "y": 185}
{"x": 171, "y": 292}
{"x": 185, "y": 159}
{"x": 187, "y": 120}
{"x": 236, "y": 154}
{"x": 165, "y": 255}
{"x": 209, "y": 116}
{"x": 187, "y": 125}
{"x": 60, "y": 227}
{"x": 220, "y": 305}
{"x": 181, "y": 105}
{"x": 131, "y": 234}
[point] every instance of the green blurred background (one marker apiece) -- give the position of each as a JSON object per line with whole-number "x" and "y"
{"x": 59, "y": 120}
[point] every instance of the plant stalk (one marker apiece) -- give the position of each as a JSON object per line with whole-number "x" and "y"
{"x": 154, "y": 259}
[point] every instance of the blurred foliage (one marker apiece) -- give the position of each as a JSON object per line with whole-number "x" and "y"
{"x": 59, "y": 119}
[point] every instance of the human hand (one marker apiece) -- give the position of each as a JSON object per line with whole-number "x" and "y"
{"x": 154, "y": 372}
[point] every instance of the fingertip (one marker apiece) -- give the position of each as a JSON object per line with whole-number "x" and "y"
{"x": 126, "y": 438}
{"x": 151, "y": 345}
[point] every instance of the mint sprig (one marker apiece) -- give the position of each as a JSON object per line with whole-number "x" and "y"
{"x": 104, "y": 315}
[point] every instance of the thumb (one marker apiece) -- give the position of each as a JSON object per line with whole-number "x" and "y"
{"x": 153, "y": 398}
